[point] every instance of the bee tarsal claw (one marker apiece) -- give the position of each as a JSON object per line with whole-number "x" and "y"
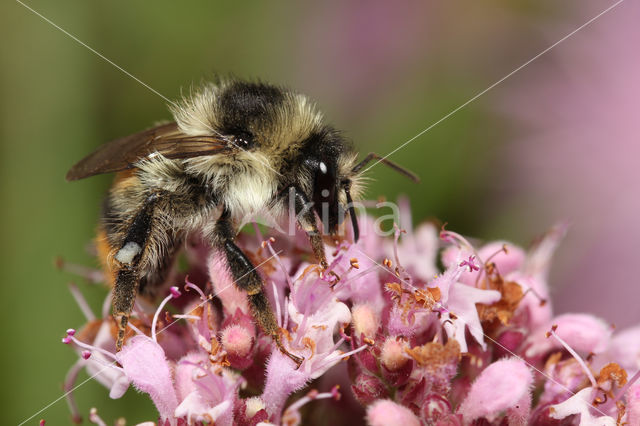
{"x": 336, "y": 279}
{"x": 122, "y": 320}
{"x": 298, "y": 360}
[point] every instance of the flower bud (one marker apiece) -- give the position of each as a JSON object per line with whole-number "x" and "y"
{"x": 435, "y": 408}
{"x": 393, "y": 356}
{"x": 237, "y": 341}
{"x": 365, "y": 321}
{"x": 368, "y": 388}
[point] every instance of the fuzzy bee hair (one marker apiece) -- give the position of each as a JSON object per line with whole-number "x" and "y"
{"x": 285, "y": 126}
{"x": 235, "y": 149}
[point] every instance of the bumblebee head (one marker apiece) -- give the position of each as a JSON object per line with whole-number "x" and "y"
{"x": 324, "y": 173}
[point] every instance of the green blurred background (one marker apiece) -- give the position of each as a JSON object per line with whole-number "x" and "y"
{"x": 381, "y": 71}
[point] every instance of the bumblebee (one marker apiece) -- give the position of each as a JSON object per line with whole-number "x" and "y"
{"x": 234, "y": 149}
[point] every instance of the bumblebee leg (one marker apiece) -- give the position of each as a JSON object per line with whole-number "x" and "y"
{"x": 128, "y": 258}
{"x": 247, "y": 278}
{"x": 307, "y": 220}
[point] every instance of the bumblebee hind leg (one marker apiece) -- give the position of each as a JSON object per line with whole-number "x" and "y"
{"x": 129, "y": 258}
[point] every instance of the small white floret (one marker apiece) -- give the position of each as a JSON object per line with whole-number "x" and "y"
{"x": 128, "y": 252}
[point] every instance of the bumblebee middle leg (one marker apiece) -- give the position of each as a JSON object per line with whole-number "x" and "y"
{"x": 247, "y": 278}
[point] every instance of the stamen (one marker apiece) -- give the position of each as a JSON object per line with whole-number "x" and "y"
{"x": 285, "y": 322}
{"x": 396, "y": 237}
{"x": 343, "y": 335}
{"x": 302, "y": 325}
{"x": 106, "y": 305}
{"x": 313, "y": 395}
{"x": 327, "y": 273}
{"x": 338, "y": 343}
{"x": 185, "y": 316}
{"x": 487, "y": 264}
{"x": 275, "y": 255}
{"x": 82, "y": 302}
{"x": 94, "y": 276}
{"x": 359, "y": 274}
{"x": 88, "y": 347}
{"x": 575, "y": 355}
{"x": 134, "y": 328}
{"x": 353, "y": 352}
{"x": 256, "y": 229}
{"x": 275, "y": 297}
{"x": 189, "y": 285}
{"x": 405, "y": 219}
{"x": 454, "y": 237}
{"x": 68, "y": 386}
{"x": 86, "y": 354}
{"x": 535, "y": 293}
{"x": 95, "y": 418}
{"x": 503, "y": 249}
{"x": 175, "y": 293}
{"x": 332, "y": 357}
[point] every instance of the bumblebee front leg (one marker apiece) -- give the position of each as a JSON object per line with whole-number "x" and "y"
{"x": 128, "y": 259}
{"x": 307, "y": 220}
{"x": 247, "y": 278}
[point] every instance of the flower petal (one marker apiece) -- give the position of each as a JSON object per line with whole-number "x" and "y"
{"x": 144, "y": 363}
{"x": 462, "y": 303}
{"x": 633, "y": 404}
{"x": 583, "y": 332}
{"x": 119, "y": 387}
{"x": 502, "y": 386}
{"x": 580, "y": 404}
{"x": 282, "y": 380}
{"x": 387, "y": 413}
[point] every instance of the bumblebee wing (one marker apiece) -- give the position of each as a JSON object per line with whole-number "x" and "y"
{"x": 123, "y": 153}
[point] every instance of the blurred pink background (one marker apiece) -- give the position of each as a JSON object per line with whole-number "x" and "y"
{"x": 575, "y": 155}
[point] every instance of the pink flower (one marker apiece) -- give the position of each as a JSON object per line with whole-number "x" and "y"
{"x": 316, "y": 315}
{"x": 145, "y": 365}
{"x": 423, "y": 346}
{"x": 458, "y": 304}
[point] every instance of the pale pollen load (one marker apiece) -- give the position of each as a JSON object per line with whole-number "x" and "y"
{"x": 127, "y": 253}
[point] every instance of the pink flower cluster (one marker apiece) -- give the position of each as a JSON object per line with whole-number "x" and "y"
{"x": 429, "y": 329}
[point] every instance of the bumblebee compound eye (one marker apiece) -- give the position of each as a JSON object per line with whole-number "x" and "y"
{"x": 242, "y": 139}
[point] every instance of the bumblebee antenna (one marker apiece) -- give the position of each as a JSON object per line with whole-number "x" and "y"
{"x": 352, "y": 212}
{"x": 389, "y": 163}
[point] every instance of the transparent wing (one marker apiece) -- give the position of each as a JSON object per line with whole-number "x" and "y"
{"x": 123, "y": 153}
